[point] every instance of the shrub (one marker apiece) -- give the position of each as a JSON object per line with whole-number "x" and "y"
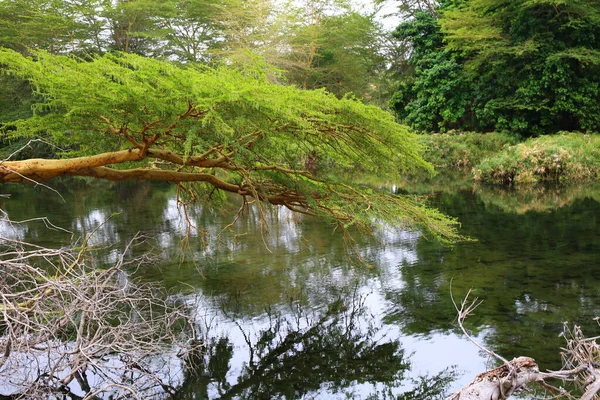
{"x": 458, "y": 150}
{"x": 566, "y": 157}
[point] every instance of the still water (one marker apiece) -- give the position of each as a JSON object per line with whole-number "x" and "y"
{"x": 286, "y": 311}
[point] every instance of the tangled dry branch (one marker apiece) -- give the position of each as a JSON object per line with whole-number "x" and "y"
{"x": 69, "y": 327}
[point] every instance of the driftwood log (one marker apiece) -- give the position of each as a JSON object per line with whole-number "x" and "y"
{"x": 500, "y": 383}
{"x": 581, "y": 363}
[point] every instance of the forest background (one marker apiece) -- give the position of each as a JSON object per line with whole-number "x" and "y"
{"x": 510, "y": 72}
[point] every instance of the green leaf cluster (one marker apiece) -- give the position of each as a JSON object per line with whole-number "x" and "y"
{"x": 529, "y": 66}
{"x": 435, "y": 96}
{"x": 264, "y": 133}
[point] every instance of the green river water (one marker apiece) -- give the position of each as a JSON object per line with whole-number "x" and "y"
{"x": 288, "y": 314}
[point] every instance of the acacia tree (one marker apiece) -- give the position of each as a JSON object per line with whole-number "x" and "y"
{"x": 186, "y": 30}
{"x": 122, "y": 117}
{"x": 333, "y": 46}
{"x": 38, "y": 24}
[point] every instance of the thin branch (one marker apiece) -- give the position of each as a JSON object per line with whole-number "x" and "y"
{"x": 464, "y": 311}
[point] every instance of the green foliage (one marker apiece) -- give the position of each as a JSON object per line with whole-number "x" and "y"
{"x": 436, "y": 97}
{"x": 134, "y": 91}
{"x": 315, "y": 43}
{"x": 527, "y": 66}
{"x": 38, "y": 24}
{"x": 134, "y": 26}
{"x": 333, "y": 47}
{"x": 266, "y": 132}
{"x": 558, "y": 158}
{"x": 193, "y": 29}
{"x": 167, "y": 28}
{"x": 16, "y": 98}
{"x": 463, "y": 150}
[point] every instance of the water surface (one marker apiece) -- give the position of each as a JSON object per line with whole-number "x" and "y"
{"x": 286, "y": 312}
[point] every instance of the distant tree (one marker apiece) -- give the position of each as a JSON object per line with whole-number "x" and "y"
{"x": 38, "y": 24}
{"x": 314, "y": 43}
{"x": 194, "y": 29}
{"x": 527, "y": 66}
{"x": 335, "y": 47}
{"x": 434, "y": 93}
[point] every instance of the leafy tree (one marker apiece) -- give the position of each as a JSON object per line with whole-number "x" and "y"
{"x": 186, "y": 30}
{"x": 132, "y": 25}
{"x": 528, "y": 66}
{"x": 435, "y": 95}
{"x": 333, "y": 46}
{"x": 315, "y": 43}
{"x": 122, "y": 117}
{"x": 37, "y": 24}
{"x": 539, "y": 61}
{"x": 194, "y": 29}
{"x": 409, "y": 8}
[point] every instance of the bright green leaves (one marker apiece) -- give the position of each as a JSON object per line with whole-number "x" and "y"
{"x": 466, "y": 30}
{"x": 233, "y": 129}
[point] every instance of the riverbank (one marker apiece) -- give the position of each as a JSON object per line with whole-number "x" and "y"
{"x": 499, "y": 158}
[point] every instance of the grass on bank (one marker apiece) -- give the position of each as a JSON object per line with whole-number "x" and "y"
{"x": 499, "y": 158}
{"x": 463, "y": 150}
{"x": 564, "y": 158}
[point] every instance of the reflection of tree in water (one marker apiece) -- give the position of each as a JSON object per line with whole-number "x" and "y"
{"x": 80, "y": 206}
{"x": 305, "y": 355}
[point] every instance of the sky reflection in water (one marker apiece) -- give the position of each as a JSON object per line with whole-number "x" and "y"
{"x": 534, "y": 269}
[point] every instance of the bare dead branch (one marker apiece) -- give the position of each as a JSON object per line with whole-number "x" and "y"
{"x": 63, "y": 321}
{"x": 466, "y": 309}
{"x": 580, "y": 364}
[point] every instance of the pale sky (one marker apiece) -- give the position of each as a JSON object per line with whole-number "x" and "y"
{"x": 389, "y": 7}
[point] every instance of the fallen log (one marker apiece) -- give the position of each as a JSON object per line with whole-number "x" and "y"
{"x": 500, "y": 383}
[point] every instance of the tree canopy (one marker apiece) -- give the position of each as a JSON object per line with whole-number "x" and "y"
{"x": 527, "y": 66}
{"x": 314, "y": 43}
{"x": 122, "y": 116}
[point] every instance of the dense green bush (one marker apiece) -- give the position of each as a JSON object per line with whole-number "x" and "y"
{"x": 567, "y": 157}
{"x": 531, "y": 67}
{"x": 434, "y": 96}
